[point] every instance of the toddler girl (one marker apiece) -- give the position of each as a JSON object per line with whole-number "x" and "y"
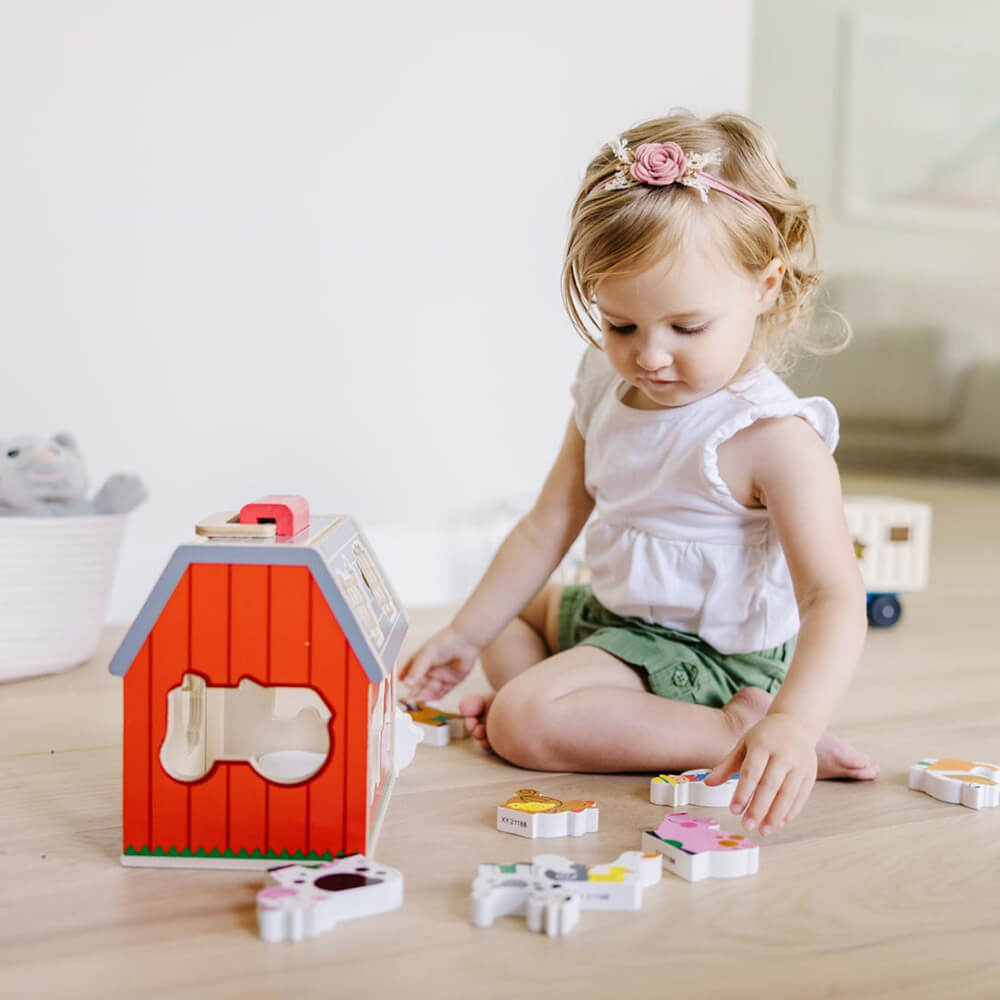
{"x": 719, "y": 553}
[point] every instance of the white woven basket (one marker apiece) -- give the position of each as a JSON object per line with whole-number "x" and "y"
{"x": 55, "y": 574}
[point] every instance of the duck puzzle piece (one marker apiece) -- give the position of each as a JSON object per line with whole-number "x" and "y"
{"x": 697, "y": 848}
{"x": 309, "y": 900}
{"x": 689, "y": 788}
{"x": 964, "y": 782}
{"x": 439, "y": 728}
{"x": 551, "y": 891}
{"x": 531, "y": 814}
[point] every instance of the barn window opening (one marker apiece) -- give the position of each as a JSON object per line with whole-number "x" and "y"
{"x": 899, "y": 533}
{"x": 283, "y": 733}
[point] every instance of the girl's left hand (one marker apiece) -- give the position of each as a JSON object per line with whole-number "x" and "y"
{"x": 776, "y": 761}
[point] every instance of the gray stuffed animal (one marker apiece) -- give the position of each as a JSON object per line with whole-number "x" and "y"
{"x": 40, "y": 477}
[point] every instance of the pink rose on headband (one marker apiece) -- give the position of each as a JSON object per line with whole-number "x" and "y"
{"x": 658, "y": 163}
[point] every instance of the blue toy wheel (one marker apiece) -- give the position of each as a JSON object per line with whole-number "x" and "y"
{"x": 884, "y": 610}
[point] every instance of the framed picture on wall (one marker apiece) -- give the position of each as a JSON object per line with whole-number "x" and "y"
{"x": 920, "y": 129}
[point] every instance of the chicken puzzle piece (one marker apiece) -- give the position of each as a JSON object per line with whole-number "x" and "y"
{"x": 551, "y": 891}
{"x": 531, "y": 814}
{"x": 697, "y": 848}
{"x": 439, "y": 728}
{"x": 964, "y": 782}
{"x": 309, "y": 900}
{"x": 689, "y": 788}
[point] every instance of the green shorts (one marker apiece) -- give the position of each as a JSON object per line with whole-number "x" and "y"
{"x": 673, "y": 664}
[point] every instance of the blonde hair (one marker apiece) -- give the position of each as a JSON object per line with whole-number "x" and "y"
{"x": 623, "y": 230}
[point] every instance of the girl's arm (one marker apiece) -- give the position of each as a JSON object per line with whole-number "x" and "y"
{"x": 796, "y": 479}
{"x": 523, "y": 563}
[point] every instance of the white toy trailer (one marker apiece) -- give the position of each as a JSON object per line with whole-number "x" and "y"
{"x": 892, "y": 540}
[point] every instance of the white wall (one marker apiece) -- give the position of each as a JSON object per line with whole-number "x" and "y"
{"x": 314, "y": 247}
{"x": 797, "y": 94}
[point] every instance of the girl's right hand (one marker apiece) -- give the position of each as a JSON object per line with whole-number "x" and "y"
{"x": 438, "y": 665}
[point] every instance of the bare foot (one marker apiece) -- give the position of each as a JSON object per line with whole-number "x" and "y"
{"x": 835, "y": 758}
{"x": 474, "y": 707}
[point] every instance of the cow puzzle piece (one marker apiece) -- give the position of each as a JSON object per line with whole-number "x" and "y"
{"x": 309, "y": 900}
{"x": 697, "y": 848}
{"x": 964, "y": 782}
{"x": 551, "y": 891}
{"x": 439, "y": 728}
{"x": 528, "y": 813}
{"x": 689, "y": 789}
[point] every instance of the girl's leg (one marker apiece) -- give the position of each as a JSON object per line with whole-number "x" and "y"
{"x": 586, "y": 710}
{"x": 530, "y": 638}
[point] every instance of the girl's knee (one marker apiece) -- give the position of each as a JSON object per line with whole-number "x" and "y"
{"x": 516, "y": 729}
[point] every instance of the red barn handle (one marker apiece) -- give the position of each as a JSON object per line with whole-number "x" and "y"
{"x": 288, "y": 513}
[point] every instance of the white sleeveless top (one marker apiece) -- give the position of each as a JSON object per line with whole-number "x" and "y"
{"x": 669, "y": 543}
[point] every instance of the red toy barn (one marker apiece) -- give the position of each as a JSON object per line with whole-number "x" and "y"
{"x": 259, "y": 695}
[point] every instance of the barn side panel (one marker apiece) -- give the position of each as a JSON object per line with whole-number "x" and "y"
{"x": 136, "y": 755}
{"x": 169, "y": 646}
{"x": 210, "y": 659}
{"x": 248, "y": 657}
{"x": 290, "y": 612}
{"x": 358, "y": 709}
{"x": 329, "y": 677}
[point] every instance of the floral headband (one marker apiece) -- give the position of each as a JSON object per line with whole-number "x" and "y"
{"x": 661, "y": 163}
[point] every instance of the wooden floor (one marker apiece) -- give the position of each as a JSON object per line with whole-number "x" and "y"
{"x": 876, "y": 891}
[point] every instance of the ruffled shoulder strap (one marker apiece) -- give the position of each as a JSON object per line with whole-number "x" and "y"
{"x": 765, "y": 397}
{"x": 594, "y": 377}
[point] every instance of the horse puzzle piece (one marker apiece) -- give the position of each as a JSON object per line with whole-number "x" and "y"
{"x": 531, "y": 814}
{"x": 309, "y": 900}
{"x": 697, "y": 848}
{"x": 966, "y": 782}
{"x": 552, "y": 890}
{"x": 689, "y": 788}
{"x": 439, "y": 728}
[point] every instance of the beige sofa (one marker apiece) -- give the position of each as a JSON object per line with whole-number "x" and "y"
{"x": 919, "y": 385}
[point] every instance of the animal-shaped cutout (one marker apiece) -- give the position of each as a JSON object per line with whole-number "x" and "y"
{"x": 439, "y": 728}
{"x": 283, "y": 733}
{"x": 964, "y": 782}
{"x": 697, "y": 848}
{"x": 531, "y": 814}
{"x": 551, "y": 891}
{"x": 308, "y": 900}
{"x": 689, "y": 788}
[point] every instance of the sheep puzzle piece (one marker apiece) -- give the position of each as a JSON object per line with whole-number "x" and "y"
{"x": 551, "y": 891}
{"x": 689, "y": 789}
{"x": 697, "y": 848}
{"x": 439, "y": 728}
{"x": 310, "y": 900}
{"x": 531, "y": 814}
{"x": 964, "y": 782}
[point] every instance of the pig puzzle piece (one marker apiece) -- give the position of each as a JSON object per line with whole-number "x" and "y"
{"x": 689, "y": 788}
{"x": 531, "y": 814}
{"x": 964, "y": 782}
{"x": 551, "y": 891}
{"x": 697, "y": 848}
{"x": 308, "y": 900}
{"x": 439, "y": 728}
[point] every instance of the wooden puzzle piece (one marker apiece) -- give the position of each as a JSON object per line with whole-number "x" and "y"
{"x": 531, "y": 814}
{"x": 697, "y": 848}
{"x": 689, "y": 788}
{"x": 969, "y": 783}
{"x": 439, "y": 728}
{"x": 309, "y": 900}
{"x": 552, "y": 890}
